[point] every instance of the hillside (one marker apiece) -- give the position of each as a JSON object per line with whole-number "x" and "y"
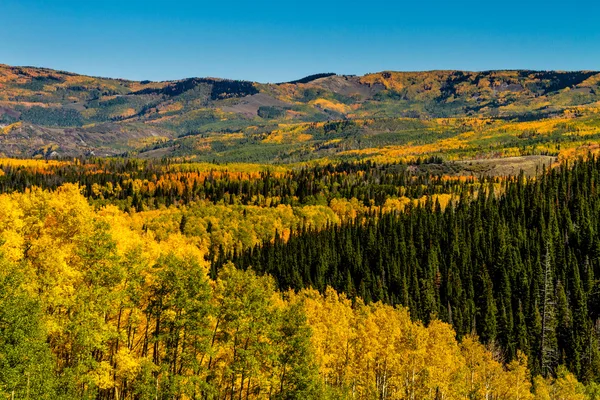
{"x": 386, "y": 115}
{"x": 117, "y": 281}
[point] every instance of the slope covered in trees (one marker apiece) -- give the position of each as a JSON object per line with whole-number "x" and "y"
{"x": 151, "y": 184}
{"x": 92, "y": 306}
{"x": 516, "y": 262}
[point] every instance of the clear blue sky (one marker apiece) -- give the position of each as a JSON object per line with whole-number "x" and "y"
{"x": 272, "y": 41}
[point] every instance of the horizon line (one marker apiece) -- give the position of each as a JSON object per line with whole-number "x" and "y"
{"x": 298, "y": 79}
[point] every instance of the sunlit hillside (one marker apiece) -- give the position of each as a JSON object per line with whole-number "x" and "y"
{"x": 46, "y": 113}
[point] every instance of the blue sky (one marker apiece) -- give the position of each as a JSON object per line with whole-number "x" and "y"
{"x": 270, "y": 41}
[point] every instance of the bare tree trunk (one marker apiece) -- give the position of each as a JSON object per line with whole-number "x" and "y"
{"x": 547, "y": 315}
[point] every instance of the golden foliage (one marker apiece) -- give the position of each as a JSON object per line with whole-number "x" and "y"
{"x": 9, "y": 128}
{"x": 110, "y": 281}
{"x": 377, "y": 351}
{"x": 331, "y": 105}
{"x": 288, "y": 134}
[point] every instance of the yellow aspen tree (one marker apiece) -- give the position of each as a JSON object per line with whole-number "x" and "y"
{"x": 516, "y": 380}
{"x": 483, "y": 373}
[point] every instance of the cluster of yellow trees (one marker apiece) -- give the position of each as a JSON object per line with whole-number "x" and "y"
{"x": 94, "y": 306}
{"x": 234, "y": 227}
{"x": 376, "y": 351}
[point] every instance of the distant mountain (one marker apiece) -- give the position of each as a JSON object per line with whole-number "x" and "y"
{"x": 45, "y": 112}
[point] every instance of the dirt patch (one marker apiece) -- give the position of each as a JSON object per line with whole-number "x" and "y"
{"x": 249, "y": 105}
{"x": 104, "y": 140}
{"x": 9, "y": 112}
{"x": 348, "y": 86}
{"x": 505, "y": 166}
{"x": 80, "y": 106}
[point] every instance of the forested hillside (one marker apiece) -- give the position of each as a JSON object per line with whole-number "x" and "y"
{"x": 383, "y": 116}
{"x": 93, "y": 307}
{"x": 516, "y": 262}
{"x": 134, "y": 279}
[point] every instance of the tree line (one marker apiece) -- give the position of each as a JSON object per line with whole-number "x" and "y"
{"x": 143, "y": 184}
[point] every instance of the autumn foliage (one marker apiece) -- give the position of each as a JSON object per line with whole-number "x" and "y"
{"x": 94, "y": 306}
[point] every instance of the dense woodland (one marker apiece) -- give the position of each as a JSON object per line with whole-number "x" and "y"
{"x": 150, "y": 184}
{"x": 519, "y": 268}
{"x": 359, "y": 281}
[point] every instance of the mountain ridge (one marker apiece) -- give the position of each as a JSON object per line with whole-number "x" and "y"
{"x": 121, "y": 116}
{"x": 325, "y": 74}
